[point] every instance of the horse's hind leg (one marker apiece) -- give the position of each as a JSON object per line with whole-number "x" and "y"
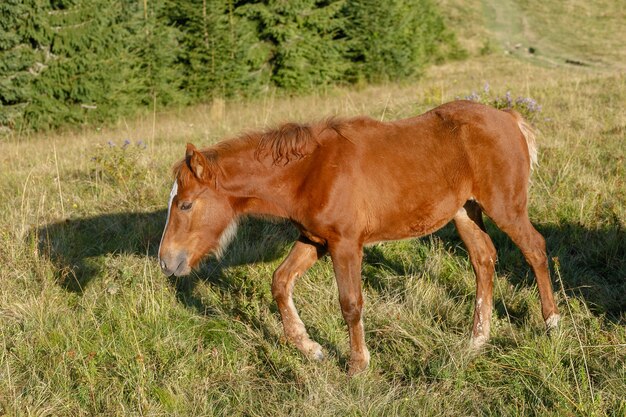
{"x": 469, "y": 224}
{"x": 302, "y": 256}
{"x": 514, "y": 221}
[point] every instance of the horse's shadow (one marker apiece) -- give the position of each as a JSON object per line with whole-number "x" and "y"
{"x": 585, "y": 263}
{"x": 592, "y": 262}
{"x": 73, "y": 246}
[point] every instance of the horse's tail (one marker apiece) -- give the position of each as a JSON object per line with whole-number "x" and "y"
{"x": 529, "y": 134}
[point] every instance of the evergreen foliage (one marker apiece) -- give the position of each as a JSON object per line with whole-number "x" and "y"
{"x": 20, "y": 62}
{"x": 154, "y": 73}
{"x": 307, "y": 50}
{"x": 396, "y": 40}
{"x": 85, "y": 61}
{"x": 221, "y": 53}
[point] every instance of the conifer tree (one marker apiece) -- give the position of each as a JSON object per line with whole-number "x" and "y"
{"x": 306, "y": 48}
{"x": 152, "y": 49}
{"x": 394, "y": 39}
{"x": 85, "y": 41}
{"x": 221, "y": 53}
{"x": 21, "y": 58}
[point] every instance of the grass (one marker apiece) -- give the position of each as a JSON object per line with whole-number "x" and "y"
{"x": 89, "y": 325}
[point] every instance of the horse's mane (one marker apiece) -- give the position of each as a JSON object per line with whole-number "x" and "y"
{"x": 293, "y": 141}
{"x": 289, "y": 142}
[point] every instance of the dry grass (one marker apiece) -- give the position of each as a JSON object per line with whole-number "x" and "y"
{"x": 89, "y": 326}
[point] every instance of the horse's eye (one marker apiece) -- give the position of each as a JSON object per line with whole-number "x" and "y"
{"x": 185, "y": 206}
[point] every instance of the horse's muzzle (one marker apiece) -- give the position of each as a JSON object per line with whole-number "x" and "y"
{"x": 175, "y": 265}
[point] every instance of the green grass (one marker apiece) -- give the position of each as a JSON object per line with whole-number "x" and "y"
{"x": 89, "y": 325}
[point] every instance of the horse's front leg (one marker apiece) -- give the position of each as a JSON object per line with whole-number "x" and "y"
{"x": 302, "y": 256}
{"x": 347, "y": 260}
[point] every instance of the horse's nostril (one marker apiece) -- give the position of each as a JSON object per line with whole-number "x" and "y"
{"x": 173, "y": 264}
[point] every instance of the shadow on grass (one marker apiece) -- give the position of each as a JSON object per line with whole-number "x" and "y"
{"x": 592, "y": 266}
{"x": 592, "y": 262}
{"x": 75, "y": 245}
{"x": 77, "y": 248}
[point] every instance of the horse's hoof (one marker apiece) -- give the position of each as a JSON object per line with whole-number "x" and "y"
{"x": 309, "y": 348}
{"x": 355, "y": 368}
{"x": 358, "y": 365}
{"x": 313, "y": 351}
{"x": 552, "y": 324}
{"x": 478, "y": 342}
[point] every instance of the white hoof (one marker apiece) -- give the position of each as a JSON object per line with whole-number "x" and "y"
{"x": 318, "y": 355}
{"x": 552, "y": 323}
{"x": 478, "y": 342}
{"x": 313, "y": 350}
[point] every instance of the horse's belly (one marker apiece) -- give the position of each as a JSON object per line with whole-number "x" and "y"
{"x": 413, "y": 219}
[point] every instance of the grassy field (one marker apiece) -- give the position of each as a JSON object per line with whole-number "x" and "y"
{"x": 90, "y": 326}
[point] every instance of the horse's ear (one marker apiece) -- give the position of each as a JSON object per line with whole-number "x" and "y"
{"x": 197, "y": 163}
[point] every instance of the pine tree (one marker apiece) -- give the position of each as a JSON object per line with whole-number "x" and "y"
{"x": 21, "y": 58}
{"x": 394, "y": 39}
{"x": 83, "y": 40}
{"x": 152, "y": 50}
{"x": 306, "y": 49}
{"x": 221, "y": 53}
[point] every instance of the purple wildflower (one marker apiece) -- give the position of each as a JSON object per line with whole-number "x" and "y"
{"x": 528, "y": 103}
{"x": 509, "y": 100}
{"x": 473, "y": 97}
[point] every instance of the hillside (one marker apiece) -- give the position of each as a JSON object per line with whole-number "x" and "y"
{"x": 90, "y": 326}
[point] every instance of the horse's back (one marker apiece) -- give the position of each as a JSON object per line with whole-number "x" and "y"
{"x": 448, "y": 148}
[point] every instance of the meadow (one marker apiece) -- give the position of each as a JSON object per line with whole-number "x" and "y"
{"x": 90, "y": 326}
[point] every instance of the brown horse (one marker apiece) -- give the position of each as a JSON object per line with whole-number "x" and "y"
{"x": 349, "y": 183}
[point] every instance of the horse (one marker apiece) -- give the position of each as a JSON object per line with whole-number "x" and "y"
{"x": 347, "y": 183}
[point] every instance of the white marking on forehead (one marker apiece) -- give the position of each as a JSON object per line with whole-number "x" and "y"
{"x": 173, "y": 194}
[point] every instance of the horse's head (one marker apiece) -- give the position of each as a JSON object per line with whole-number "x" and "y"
{"x": 200, "y": 220}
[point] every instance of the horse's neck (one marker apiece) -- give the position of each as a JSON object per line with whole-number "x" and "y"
{"x": 251, "y": 185}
